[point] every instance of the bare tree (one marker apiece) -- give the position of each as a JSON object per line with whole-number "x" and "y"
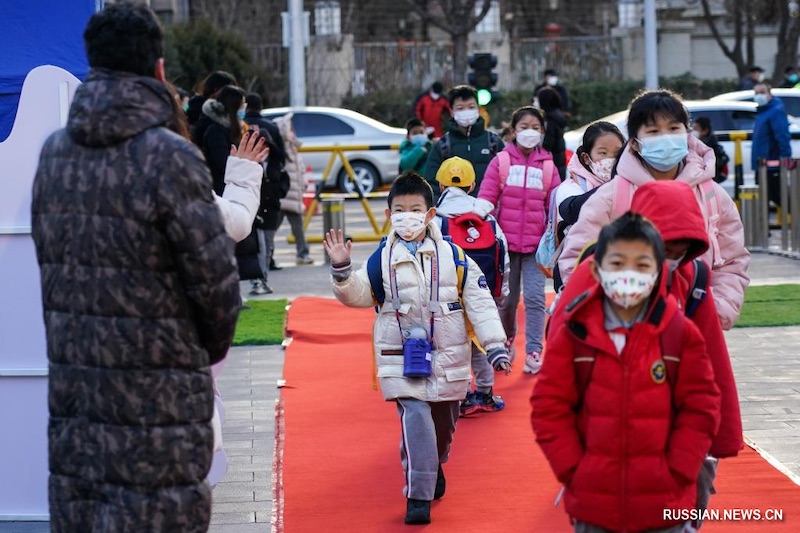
{"x": 458, "y": 18}
{"x": 743, "y": 33}
{"x": 788, "y": 34}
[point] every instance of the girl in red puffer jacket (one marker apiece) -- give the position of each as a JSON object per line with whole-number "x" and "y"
{"x": 623, "y": 429}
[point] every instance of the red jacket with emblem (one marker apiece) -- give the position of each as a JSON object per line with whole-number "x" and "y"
{"x": 630, "y": 445}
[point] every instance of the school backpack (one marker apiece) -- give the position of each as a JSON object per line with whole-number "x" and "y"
{"x": 496, "y": 144}
{"x": 671, "y": 342}
{"x": 622, "y": 196}
{"x": 479, "y": 240}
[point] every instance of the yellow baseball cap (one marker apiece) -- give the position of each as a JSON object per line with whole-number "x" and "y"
{"x": 456, "y": 172}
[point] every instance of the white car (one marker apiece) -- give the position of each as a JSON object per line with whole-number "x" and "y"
{"x": 329, "y": 126}
{"x": 725, "y": 116}
{"x": 789, "y": 97}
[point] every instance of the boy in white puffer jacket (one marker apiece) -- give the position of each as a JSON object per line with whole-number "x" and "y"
{"x": 423, "y": 302}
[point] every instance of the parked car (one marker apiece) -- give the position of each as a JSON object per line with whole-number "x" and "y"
{"x": 789, "y": 97}
{"x": 725, "y": 116}
{"x": 327, "y": 126}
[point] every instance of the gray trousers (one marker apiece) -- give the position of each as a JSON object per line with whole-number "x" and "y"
{"x": 705, "y": 485}
{"x": 523, "y": 269}
{"x": 296, "y": 223}
{"x": 426, "y": 435}
{"x": 483, "y": 371}
{"x": 266, "y": 245}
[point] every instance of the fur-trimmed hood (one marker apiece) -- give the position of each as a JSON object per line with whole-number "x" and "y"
{"x": 214, "y": 110}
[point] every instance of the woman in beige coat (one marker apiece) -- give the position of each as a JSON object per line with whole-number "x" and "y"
{"x": 292, "y": 205}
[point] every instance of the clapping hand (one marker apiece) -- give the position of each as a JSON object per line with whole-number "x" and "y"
{"x": 336, "y": 247}
{"x": 252, "y": 147}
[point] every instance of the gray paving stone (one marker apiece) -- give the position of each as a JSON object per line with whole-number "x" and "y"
{"x": 254, "y": 527}
{"x": 232, "y": 518}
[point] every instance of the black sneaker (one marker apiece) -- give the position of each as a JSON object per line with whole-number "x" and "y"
{"x": 273, "y": 266}
{"x": 418, "y": 511}
{"x": 440, "y": 484}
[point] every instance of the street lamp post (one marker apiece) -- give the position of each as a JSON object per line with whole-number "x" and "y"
{"x": 650, "y": 45}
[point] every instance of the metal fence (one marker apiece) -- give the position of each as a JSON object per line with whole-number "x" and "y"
{"x": 576, "y": 58}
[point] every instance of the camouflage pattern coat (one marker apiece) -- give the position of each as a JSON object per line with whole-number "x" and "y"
{"x": 140, "y": 293}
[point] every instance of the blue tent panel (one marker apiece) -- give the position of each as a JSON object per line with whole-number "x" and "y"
{"x": 35, "y": 33}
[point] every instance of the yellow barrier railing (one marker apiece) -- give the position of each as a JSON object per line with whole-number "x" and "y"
{"x": 338, "y": 151}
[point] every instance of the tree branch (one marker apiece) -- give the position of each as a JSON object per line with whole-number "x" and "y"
{"x": 717, "y": 37}
{"x": 440, "y": 22}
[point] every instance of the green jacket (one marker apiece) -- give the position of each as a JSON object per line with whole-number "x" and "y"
{"x": 478, "y": 146}
{"x": 413, "y": 157}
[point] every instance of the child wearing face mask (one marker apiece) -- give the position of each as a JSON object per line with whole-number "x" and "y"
{"x": 626, "y": 406}
{"x": 588, "y": 169}
{"x": 659, "y": 147}
{"x": 685, "y": 240}
{"x": 415, "y": 149}
{"x": 423, "y": 304}
{"x": 519, "y": 182}
{"x": 466, "y": 137}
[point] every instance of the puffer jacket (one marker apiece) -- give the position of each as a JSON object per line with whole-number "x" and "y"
{"x": 521, "y": 199}
{"x": 771, "y": 137}
{"x": 730, "y": 259}
{"x": 239, "y": 201}
{"x": 628, "y": 446}
{"x": 451, "y": 360}
{"x": 140, "y": 295}
{"x": 295, "y": 166}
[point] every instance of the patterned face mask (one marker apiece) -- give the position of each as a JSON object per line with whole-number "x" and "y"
{"x": 408, "y": 225}
{"x": 627, "y": 288}
{"x": 602, "y": 168}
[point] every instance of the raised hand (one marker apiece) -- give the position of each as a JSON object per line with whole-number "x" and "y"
{"x": 337, "y": 248}
{"x": 252, "y": 147}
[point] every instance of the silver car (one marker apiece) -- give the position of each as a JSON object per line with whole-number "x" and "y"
{"x": 330, "y": 126}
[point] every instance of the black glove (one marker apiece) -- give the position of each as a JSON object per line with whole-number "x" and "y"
{"x": 498, "y": 356}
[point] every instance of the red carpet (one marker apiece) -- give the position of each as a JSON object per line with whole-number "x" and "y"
{"x": 341, "y": 467}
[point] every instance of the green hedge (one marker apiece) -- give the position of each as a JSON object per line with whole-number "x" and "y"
{"x": 591, "y": 100}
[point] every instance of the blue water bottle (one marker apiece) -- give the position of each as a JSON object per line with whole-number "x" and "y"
{"x": 417, "y": 354}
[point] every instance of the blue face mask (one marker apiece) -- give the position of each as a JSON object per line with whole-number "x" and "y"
{"x": 419, "y": 140}
{"x": 664, "y": 152}
{"x": 760, "y": 99}
{"x": 240, "y": 114}
{"x": 793, "y": 78}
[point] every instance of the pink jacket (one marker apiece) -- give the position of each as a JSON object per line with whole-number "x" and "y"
{"x": 522, "y": 198}
{"x": 729, "y": 279}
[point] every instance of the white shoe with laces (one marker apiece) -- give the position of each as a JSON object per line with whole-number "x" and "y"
{"x": 533, "y": 363}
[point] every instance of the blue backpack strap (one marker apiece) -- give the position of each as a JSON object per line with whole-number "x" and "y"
{"x": 375, "y": 275}
{"x": 697, "y": 292}
{"x": 445, "y": 225}
{"x": 460, "y": 259}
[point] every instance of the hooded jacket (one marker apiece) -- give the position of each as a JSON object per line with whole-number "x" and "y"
{"x": 140, "y": 294}
{"x": 771, "y": 137}
{"x": 579, "y": 180}
{"x": 522, "y": 203}
{"x": 628, "y": 446}
{"x": 730, "y": 267}
{"x": 475, "y": 146}
{"x": 213, "y": 135}
{"x": 453, "y": 354}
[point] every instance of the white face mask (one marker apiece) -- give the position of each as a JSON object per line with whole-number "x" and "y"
{"x": 602, "y": 168}
{"x": 528, "y": 138}
{"x": 552, "y": 80}
{"x": 466, "y": 117}
{"x": 695, "y": 134}
{"x": 408, "y": 225}
{"x": 673, "y": 264}
{"x": 627, "y": 288}
{"x": 435, "y": 96}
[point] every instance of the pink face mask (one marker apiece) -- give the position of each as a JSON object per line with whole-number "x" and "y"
{"x": 602, "y": 168}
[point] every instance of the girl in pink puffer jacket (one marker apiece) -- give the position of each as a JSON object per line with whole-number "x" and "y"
{"x": 518, "y": 182}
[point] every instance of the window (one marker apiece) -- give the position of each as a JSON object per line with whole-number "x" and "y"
{"x": 792, "y": 105}
{"x": 721, "y": 119}
{"x": 319, "y": 125}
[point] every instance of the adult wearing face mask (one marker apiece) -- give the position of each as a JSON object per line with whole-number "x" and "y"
{"x": 660, "y": 148}
{"x": 431, "y": 108}
{"x": 226, "y": 111}
{"x": 771, "y": 138}
{"x": 790, "y": 78}
{"x": 754, "y": 75}
{"x": 466, "y": 137}
{"x": 552, "y": 81}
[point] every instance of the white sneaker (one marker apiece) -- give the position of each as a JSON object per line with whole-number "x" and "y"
{"x": 533, "y": 363}
{"x": 304, "y": 260}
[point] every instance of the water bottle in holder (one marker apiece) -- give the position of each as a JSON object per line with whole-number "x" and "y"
{"x": 417, "y": 353}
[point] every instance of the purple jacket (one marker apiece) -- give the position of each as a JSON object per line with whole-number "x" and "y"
{"x": 521, "y": 199}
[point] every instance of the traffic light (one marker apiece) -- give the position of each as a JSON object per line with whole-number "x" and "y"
{"x": 482, "y": 76}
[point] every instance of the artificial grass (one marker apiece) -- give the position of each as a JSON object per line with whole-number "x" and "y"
{"x": 770, "y": 306}
{"x": 260, "y": 323}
